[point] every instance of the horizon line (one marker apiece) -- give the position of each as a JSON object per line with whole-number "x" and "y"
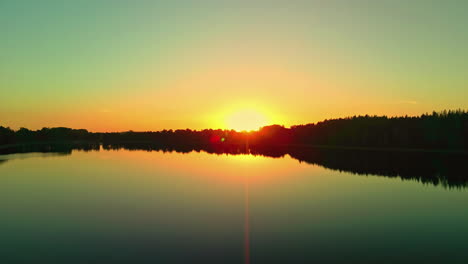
{"x": 443, "y": 112}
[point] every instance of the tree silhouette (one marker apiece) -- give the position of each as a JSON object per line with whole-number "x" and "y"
{"x": 446, "y": 130}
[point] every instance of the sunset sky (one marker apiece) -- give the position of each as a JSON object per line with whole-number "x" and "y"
{"x": 113, "y": 65}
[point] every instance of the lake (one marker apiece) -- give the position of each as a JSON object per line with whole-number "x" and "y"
{"x": 127, "y": 205}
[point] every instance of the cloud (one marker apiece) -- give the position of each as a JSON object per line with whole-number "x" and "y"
{"x": 412, "y": 102}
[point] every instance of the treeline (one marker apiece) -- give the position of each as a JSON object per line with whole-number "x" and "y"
{"x": 24, "y": 135}
{"x": 443, "y": 130}
{"x": 439, "y": 130}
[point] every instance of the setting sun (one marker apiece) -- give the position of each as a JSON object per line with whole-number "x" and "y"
{"x": 246, "y": 119}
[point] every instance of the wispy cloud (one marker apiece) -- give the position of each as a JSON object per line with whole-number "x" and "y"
{"x": 412, "y": 102}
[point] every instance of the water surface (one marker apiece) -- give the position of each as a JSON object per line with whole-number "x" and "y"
{"x": 122, "y": 206}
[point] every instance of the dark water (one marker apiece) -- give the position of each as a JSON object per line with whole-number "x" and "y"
{"x": 141, "y": 206}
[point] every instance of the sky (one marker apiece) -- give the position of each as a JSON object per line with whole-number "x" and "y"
{"x": 113, "y": 65}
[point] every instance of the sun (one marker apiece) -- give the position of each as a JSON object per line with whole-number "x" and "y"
{"x": 246, "y": 120}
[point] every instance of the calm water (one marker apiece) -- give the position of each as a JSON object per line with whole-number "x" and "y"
{"x": 153, "y": 207}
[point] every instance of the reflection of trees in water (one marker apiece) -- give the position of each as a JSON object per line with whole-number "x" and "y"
{"x": 447, "y": 169}
{"x": 63, "y": 148}
{"x": 433, "y": 168}
{"x": 56, "y": 149}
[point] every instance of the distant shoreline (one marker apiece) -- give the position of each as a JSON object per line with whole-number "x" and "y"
{"x": 443, "y": 132}
{"x": 419, "y": 150}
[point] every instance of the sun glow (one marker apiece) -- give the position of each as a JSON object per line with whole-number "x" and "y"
{"x": 246, "y": 120}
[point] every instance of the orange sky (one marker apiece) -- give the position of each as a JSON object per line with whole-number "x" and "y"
{"x": 110, "y": 66}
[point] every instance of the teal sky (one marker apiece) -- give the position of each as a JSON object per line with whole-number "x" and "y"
{"x": 146, "y": 65}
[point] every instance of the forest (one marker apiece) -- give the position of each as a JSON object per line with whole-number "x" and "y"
{"x": 446, "y": 130}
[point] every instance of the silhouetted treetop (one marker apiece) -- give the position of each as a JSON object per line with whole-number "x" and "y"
{"x": 438, "y": 130}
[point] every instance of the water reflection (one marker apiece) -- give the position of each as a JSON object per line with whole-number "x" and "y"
{"x": 122, "y": 206}
{"x": 446, "y": 169}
